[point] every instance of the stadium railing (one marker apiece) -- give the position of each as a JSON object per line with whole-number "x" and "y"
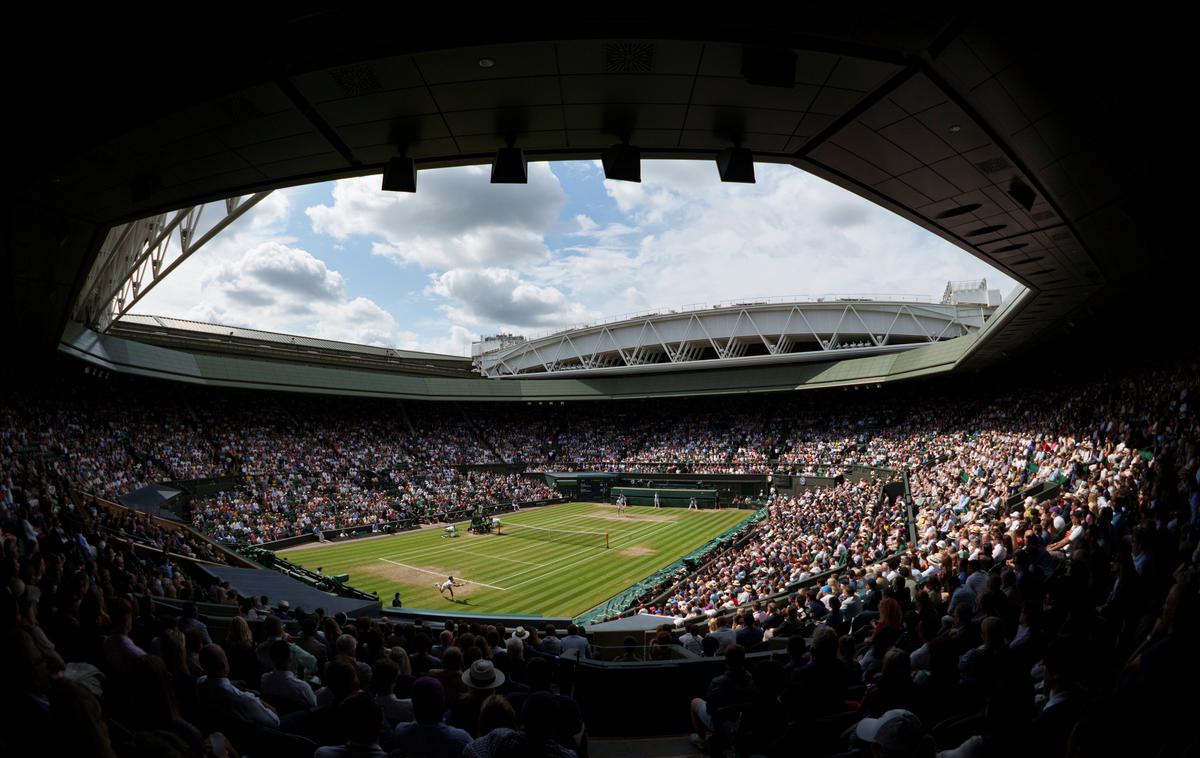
{"x": 230, "y": 556}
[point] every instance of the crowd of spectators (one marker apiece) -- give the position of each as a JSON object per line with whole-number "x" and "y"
{"x": 95, "y": 666}
{"x": 1045, "y": 585}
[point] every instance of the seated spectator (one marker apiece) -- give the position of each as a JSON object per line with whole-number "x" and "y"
{"x": 239, "y": 649}
{"x": 895, "y": 734}
{"x": 223, "y": 701}
{"x": 498, "y": 736}
{"x": 383, "y": 686}
{"x": 570, "y": 727}
{"x": 549, "y": 643}
{"x": 894, "y": 688}
{"x": 819, "y": 687}
{"x": 325, "y": 724}
{"x": 363, "y": 721}
{"x": 690, "y": 640}
{"x": 729, "y": 690}
{"x": 575, "y": 641}
{"x": 981, "y": 667}
{"x": 1064, "y": 701}
{"x": 153, "y": 705}
{"x": 310, "y": 642}
{"x": 481, "y": 679}
{"x": 427, "y": 736}
{"x": 723, "y": 634}
{"x": 765, "y": 720}
{"x": 281, "y": 687}
{"x": 450, "y": 674}
{"x": 347, "y": 650}
{"x": 751, "y": 635}
{"x": 303, "y": 662}
{"x": 189, "y": 619}
{"x": 120, "y": 653}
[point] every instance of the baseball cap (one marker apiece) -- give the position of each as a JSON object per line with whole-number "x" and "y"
{"x": 897, "y": 729}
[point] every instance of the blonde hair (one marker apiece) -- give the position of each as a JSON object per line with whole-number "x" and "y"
{"x": 239, "y": 633}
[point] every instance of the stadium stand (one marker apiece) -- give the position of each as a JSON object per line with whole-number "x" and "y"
{"x": 1053, "y": 567}
{"x": 982, "y": 546}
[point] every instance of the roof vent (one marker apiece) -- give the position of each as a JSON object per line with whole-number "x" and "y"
{"x": 239, "y": 108}
{"x": 992, "y": 165}
{"x": 959, "y": 210}
{"x": 628, "y": 58}
{"x": 985, "y": 230}
{"x": 356, "y": 80}
{"x": 1010, "y": 248}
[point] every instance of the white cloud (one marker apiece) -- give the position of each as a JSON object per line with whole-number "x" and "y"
{"x": 281, "y": 288}
{"x": 457, "y": 218}
{"x": 679, "y": 237}
{"x": 275, "y": 267}
{"x": 699, "y": 240}
{"x": 501, "y": 297}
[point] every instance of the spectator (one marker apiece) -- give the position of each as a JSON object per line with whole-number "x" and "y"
{"x": 427, "y": 735}
{"x": 281, "y": 687}
{"x": 217, "y": 695}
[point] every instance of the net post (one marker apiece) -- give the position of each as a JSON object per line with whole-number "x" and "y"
{"x": 606, "y": 540}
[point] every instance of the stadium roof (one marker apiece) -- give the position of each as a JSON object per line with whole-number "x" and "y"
{"x": 1025, "y": 138}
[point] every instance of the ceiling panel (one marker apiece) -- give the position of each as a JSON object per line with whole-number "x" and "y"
{"x": 356, "y": 79}
{"x": 379, "y": 105}
{"x": 626, "y": 88}
{"x": 718, "y": 91}
{"x": 501, "y": 93}
{"x": 605, "y": 56}
{"x": 489, "y": 121}
{"x": 509, "y": 61}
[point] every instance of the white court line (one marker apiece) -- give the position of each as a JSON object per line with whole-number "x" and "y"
{"x": 496, "y": 557}
{"x": 434, "y": 573}
{"x": 638, "y": 533}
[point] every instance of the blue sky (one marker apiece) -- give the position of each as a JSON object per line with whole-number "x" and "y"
{"x": 463, "y": 258}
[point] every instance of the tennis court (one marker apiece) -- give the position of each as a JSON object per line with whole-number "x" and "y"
{"x": 552, "y": 561}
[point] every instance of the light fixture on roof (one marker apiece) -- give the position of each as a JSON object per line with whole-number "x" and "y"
{"x": 400, "y": 174}
{"x": 736, "y": 164}
{"x": 955, "y": 128}
{"x": 486, "y": 63}
{"x": 1022, "y": 193}
{"x": 509, "y": 166}
{"x": 623, "y": 163}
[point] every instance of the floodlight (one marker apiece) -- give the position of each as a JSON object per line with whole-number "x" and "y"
{"x": 736, "y": 164}
{"x": 623, "y": 163}
{"x": 400, "y": 175}
{"x": 510, "y": 167}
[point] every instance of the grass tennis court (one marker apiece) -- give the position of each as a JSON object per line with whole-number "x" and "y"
{"x": 523, "y": 573}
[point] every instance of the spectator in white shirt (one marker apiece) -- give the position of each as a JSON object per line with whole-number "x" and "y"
{"x": 302, "y": 661}
{"x": 383, "y": 683}
{"x": 282, "y": 686}
{"x": 215, "y": 693}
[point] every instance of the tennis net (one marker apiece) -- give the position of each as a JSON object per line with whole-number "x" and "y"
{"x": 568, "y": 536}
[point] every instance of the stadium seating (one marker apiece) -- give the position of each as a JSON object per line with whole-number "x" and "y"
{"x": 1034, "y": 583}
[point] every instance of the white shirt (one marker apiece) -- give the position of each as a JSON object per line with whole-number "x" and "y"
{"x": 284, "y": 685}
{"x": 218, "y": 694}
{"x": 395, "y": 710}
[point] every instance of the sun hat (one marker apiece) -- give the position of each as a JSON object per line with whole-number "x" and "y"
{"x": 897, "y": 730}
{"x": 483, "y": 675}
{"x": 521, "y": 633}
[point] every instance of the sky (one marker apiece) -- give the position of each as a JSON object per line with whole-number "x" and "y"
{"x": 462, "y": 258}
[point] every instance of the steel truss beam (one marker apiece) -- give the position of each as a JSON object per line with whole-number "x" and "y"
{"x": 138, "y": 255}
